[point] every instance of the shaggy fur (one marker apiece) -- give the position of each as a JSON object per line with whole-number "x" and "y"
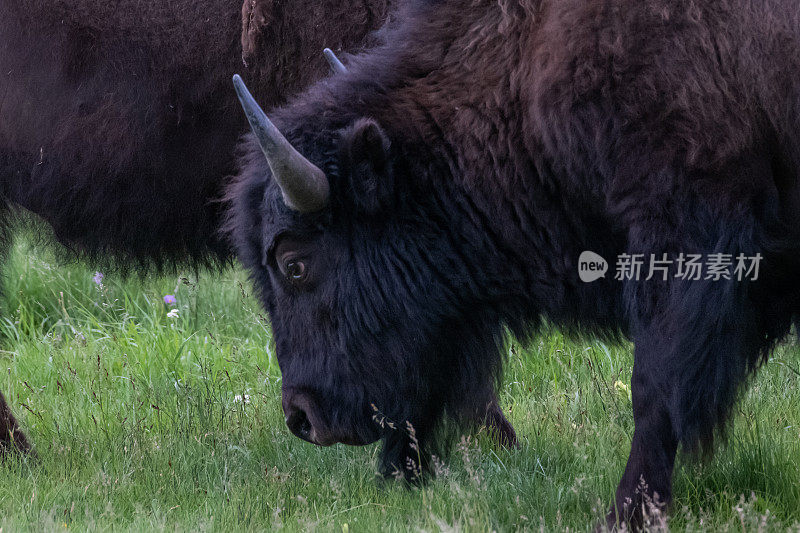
{"x": 476, "y": 154}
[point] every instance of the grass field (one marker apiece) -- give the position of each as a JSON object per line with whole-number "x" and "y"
{"x": 143, "y": 420}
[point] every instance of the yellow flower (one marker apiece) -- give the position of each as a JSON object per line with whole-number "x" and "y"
{"x": 623, "y": 388}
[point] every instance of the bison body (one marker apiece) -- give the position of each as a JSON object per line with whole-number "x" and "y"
{"x": 474, "y": 156}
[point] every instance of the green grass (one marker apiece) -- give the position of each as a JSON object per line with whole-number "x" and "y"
{"x": 142, "y": 421}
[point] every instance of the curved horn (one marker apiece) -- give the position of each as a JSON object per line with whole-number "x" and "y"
{"x": 304, "y": 186}
{"x": 336, "y": 66}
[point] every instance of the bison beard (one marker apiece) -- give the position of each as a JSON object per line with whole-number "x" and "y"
{"x": 475, "y": 155}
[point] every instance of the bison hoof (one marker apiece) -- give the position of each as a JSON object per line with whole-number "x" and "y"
{"x": 636, "y": 518}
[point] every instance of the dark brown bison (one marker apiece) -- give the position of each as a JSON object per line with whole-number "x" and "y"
{"x": 117, "y": 120}
{"x": 118, "y": 126}
{"x": 451, "y": 179}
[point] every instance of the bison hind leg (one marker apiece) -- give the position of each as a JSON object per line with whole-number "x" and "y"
{"x": 11, "y": 436}
{"x": 497, "y": 425}
{"x": 501, "y": 429}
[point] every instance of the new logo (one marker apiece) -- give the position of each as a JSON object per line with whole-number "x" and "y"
{"x": 591, "y": 267}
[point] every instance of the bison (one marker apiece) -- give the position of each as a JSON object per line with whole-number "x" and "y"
{"x": 398, "y": 217}
{"x": 118, "y": 127}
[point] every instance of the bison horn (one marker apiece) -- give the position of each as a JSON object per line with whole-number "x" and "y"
{"x": 336, "y": 66}
{"x": 304, "y": 186}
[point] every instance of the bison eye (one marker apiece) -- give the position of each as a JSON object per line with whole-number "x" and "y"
{"x": 295, "y": 270}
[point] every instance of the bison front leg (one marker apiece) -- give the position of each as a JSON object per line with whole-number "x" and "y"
{"x": 696, "y": 343}
{"x": 646, "y": 485}
{"x": 698, "y": 334}
{"x": 405, "y": 455}
{"x": 11, "y": 436}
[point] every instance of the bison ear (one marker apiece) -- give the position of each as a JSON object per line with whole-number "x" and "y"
{"x": 366, "y": 156}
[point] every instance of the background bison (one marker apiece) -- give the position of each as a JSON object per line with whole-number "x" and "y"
{"x": 118, "y": 123}
{"x": 450, "y": 180}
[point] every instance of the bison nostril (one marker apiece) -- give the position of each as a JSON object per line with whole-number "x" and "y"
{"x": 305, "y": 427}
{"x": 299, "y": 424}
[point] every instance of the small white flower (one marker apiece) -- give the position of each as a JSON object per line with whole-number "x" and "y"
{"x": 244, "y": 398}
{"x": 173, "y": 313}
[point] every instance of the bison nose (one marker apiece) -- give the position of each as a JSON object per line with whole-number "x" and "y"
{"x": 299, "y": 424}
{"x": 303, "y": 418}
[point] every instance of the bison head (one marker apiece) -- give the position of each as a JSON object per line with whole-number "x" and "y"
{"x": 376, "y": 303}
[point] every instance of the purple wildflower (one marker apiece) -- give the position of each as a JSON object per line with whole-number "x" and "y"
{"x": 98, "y": 278}
{"x": 169, "y": 299}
